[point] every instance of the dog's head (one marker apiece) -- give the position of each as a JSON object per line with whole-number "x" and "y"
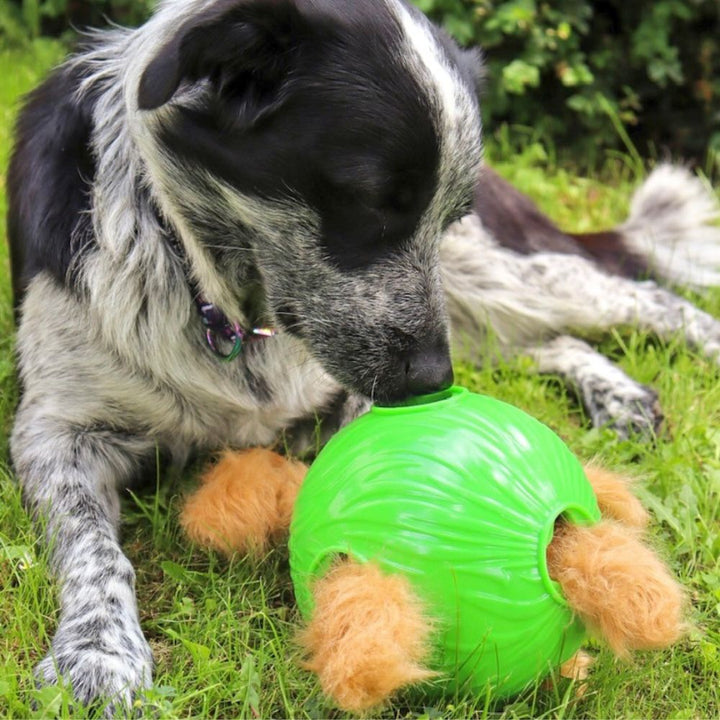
{"x": 319, "y": 148}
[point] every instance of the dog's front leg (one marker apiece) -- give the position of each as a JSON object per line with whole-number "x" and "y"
{"x": 69, "y": 478}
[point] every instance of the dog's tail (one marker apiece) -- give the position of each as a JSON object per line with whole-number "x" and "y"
{"x": 671, "y": 228}
{"x": 669, "y": 235}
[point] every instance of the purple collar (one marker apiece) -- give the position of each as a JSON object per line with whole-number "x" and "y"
{"x": 218, "y": 326}
{"x": 216, "y": 323}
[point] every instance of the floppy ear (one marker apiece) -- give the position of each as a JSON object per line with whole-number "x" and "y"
{"x": 472, "y": 64}
{"x": 240, "y": 43}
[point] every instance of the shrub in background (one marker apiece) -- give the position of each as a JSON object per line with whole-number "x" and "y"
{"x": 21, "y": 20}
{"x": 581, "y": 72}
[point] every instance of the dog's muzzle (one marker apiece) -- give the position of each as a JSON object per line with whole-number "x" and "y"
{"x": 428, "y": 371}
{"x": 419, "y": 370}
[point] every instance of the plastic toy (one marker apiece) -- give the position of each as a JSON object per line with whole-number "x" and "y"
{"x": 460, "y": 494}
{"x": 454, "y": 538}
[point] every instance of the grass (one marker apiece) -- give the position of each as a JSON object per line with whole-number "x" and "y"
{"x": 222, "y": 630}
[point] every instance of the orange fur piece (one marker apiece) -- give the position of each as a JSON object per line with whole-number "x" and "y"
{"x": 617, "y": 585}
{"x": 614, "y": 497}
{"x": 368, "y": 636}
{"x": 245, "y": 501}
{"x": 578, "y": 666}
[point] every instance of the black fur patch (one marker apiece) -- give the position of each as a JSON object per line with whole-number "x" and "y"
{"x": 49, "y": 179}
{"x": 516, "y": 223}
{"x": 335, "y": 121}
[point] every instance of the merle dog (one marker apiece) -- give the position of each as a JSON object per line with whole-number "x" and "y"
{"x": 227, "y": 224}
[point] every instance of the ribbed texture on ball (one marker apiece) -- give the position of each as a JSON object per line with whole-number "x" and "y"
{"x": 459, "y": 494}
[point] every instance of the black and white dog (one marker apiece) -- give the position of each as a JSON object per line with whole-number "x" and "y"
{"x": 234, "y": 220}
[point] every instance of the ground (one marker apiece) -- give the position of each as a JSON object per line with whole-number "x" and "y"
{"x": 222, "y": 631}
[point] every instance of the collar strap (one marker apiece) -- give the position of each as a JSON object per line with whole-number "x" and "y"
{"x": 218, "y": 326}
{"x": 215, "y": 321}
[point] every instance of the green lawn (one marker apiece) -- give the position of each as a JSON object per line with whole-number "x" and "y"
{"x": 222, "y": 631}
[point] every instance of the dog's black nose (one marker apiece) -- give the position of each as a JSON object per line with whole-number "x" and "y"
{"x": 428, "y": 371}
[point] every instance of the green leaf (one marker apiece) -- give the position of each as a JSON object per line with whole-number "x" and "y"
{"x": 31, "y": 15}
{"x": 200, "y": 653}
{"x": 174, "y": 571}
{"x": 519, "y": 75}
{"x": 574, "y": 75}
{"x": 49, "y": 701}
{"x": 250, "y": 681}
{"x": 426, "y": 6}
{"x": 460, "y": 28}
{"x": 16, "y": 552}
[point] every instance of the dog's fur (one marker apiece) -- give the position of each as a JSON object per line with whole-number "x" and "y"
{"x": 296, "y": 162}
{"x": 507, "y": 267}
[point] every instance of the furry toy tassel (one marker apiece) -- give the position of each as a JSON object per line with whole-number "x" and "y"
{"x": 368, "y": 636}
{"x": 615, "y": 499}
{"x": 617, "y": 585}
{"x": 244, "y": 503}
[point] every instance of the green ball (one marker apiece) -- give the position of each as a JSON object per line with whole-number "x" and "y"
{"x": 459, "y": 493}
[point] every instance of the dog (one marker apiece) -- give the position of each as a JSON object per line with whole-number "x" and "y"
{"x": 246, "y": 216}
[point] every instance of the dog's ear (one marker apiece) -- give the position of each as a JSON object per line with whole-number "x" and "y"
{"x": 472, "y": 64}
{"x": 242, "y": 42}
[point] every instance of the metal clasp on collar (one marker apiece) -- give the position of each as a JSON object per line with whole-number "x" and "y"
{"x": 218, "y": 326}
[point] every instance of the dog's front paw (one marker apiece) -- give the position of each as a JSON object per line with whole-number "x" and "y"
{"x": 108, "y": 672}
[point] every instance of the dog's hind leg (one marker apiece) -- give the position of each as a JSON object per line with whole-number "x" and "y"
{"x": 530, "y": 298}
{"x": 609, "y": 396}
{"x": 69, "y": 478}
{"x": 527, "y": 300}
{"x": 612, "y": 302}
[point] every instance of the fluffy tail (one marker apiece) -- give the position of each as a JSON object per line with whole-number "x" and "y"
{"x": 670, "y": 228}
{"x": 669, "y": 235}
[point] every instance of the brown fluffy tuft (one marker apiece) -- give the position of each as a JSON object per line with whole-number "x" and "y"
{"x": 614, "y": 497}
{"x": 578, "y": 666}
{"x": 368, "y": 636}
{"x": 617, "y": 585}
{"x": 244, "y": 503}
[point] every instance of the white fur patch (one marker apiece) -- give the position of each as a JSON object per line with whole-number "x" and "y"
{"x": 457, "y": 116}
{"x": 670, "y": 225}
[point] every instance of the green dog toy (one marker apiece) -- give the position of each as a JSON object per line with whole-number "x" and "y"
{"x": 459, "y": 493}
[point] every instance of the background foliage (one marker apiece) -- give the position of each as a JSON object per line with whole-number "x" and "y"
{"x": 21, "y": 20}
{"x": 581, "y": 72}
{"x": 584, "y": 75}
